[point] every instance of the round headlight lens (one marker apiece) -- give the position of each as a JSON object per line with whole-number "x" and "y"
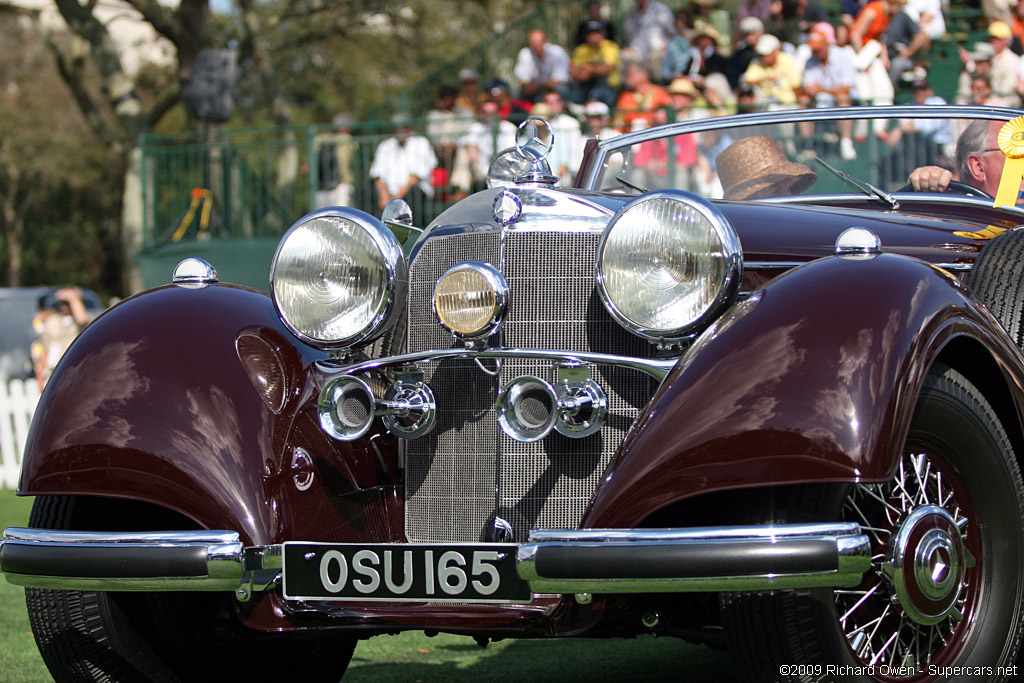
{"x": 338, "y": 278}
{"x": 666, "y": 261}
{"x": 470, "y": 299}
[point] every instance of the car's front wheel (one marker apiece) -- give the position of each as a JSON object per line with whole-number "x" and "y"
{"x": 944, "y": 598}
{"x": 189, "y": 636}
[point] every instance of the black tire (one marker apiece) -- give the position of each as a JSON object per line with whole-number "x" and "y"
{"x": 996, "y": 281}
{"x": 174, "y": 636}
{"x": 969, "y": 470}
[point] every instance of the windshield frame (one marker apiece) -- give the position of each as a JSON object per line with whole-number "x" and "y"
{"x": 593, "y": 167}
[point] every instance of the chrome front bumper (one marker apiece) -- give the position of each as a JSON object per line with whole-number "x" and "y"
{"x": 576, "y": 561}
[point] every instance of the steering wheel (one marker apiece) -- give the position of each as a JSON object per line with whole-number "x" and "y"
{"x": 955, "y": 186}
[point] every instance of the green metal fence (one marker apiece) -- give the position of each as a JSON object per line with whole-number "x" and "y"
{"x": 254, "y": 183}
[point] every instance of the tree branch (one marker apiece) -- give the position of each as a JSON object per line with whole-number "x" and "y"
{"x": 113, "y": 80}
{"x": 163, "y": 21}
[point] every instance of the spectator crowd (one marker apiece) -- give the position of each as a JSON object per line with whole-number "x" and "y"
{"x": 661, "y": 65}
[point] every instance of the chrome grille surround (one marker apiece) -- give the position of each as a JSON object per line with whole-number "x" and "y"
{"x": 467, "y": 470}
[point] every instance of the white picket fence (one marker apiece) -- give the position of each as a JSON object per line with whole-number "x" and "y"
{"x": 18, "y": 399}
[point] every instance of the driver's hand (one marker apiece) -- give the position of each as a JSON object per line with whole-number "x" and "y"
{"x": 930, "y": 179}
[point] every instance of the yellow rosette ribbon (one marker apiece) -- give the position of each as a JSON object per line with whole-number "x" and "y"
{"x": 1011, "y": 143}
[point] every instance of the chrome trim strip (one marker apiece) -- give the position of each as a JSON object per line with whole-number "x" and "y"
{"x": 773, "y": 265}
{"x": 796, "y": 115}
{"x": 609, "y": 146}
{"x": 942, "y": 198}
{"x": 769, "y": 532}
{"x": 224, "y": 558}
{"x": 852, "y": 557}
{"x": 656, "y": 368}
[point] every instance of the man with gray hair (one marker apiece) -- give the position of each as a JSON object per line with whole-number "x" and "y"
{"x": 979, "y": 161}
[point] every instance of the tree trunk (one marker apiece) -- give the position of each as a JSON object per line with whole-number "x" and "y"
{"x": 14, "y": 225}
{"x": 132, "y": 222}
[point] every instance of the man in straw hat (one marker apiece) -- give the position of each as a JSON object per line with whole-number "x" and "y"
{"x": 756, "y": 167}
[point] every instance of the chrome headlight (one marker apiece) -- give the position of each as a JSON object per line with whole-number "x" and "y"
{"x": 339, "y": 278}
{"x": 666, "y": 262}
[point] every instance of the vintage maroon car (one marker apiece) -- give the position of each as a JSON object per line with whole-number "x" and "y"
{"x": 663, "y": 401}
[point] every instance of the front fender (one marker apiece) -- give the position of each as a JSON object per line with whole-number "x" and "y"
{"x": 812, "y": 379}
{"x": 152, "y": 404}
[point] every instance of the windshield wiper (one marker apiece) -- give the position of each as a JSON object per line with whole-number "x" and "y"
{"x": 632, "y": 186}
{"x": 861, "y": 185}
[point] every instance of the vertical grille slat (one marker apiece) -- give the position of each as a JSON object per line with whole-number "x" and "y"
{"x": 454, "y": 473}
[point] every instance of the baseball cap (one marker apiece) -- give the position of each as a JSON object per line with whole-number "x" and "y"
{"x": 820, "y": 34}
{"x": 999, "y": 29}
{"x": 767, "y": 44}
{"x": 983, "y": 52}
{"x": 750, "y": 25}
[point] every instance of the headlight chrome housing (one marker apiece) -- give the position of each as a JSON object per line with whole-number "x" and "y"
{"x": 339, "y": 279}
{"x": 667, "y": 262}
{"x": 470, "y": 299}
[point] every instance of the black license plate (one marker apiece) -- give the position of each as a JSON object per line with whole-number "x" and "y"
{"x": 483, "y": 572}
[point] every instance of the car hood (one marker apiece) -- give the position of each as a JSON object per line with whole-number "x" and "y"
{"x": 939, "y": 229}
{"x": 940, "y": 233}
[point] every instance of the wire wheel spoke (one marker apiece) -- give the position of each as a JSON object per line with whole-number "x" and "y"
{"x": 877, "y": 627}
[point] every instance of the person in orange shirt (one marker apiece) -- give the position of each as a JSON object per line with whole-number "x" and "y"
{"x": 641, "y": 98}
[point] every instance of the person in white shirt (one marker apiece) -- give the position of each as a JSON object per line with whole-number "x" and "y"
{"x": 1005, "y": 65}
{"x": 402, "y": 167}
{"x": 541, "y": 65}
{"x": 486, "y": 137}
{"x": 649, "y": 28}
{"x": 567, "y": 152}
{"x": 928, "y": 15}
{"x": 829, "y": 80}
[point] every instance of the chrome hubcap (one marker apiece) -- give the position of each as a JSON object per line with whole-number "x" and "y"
{"x": 925, "y": 565}
{"x": 907, "y": 612}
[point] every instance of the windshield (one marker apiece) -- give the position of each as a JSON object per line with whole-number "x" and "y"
{"x": 777, "y": 155}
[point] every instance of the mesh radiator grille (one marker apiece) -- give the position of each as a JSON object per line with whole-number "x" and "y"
{"x": 466, "y": 470}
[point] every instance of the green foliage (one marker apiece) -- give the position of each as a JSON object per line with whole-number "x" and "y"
{"x": 56, "y": 179}
{"x": 359, "y": 53}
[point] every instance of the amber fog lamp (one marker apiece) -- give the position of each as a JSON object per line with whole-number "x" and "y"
{"x": 470, "y": 299}
{"x": 265, "y": 369}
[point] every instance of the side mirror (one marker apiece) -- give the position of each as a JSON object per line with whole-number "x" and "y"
{"x": 397, "y": 215}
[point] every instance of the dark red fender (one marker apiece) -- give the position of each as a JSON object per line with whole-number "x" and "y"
{"x": 812, "y": 380}
{"x": 152, "y": 403}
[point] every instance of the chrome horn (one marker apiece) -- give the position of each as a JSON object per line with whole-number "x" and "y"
{"x": 347, "y": 407}
{"x": 529, "y": 408}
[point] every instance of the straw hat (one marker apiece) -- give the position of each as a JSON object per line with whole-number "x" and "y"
{"x": 683, "y": 86}
{"x": 755, "y": 167}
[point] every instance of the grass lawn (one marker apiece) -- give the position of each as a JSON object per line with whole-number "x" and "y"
{"x": 19, "y": 659}
{"x": 412, "y": 657}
